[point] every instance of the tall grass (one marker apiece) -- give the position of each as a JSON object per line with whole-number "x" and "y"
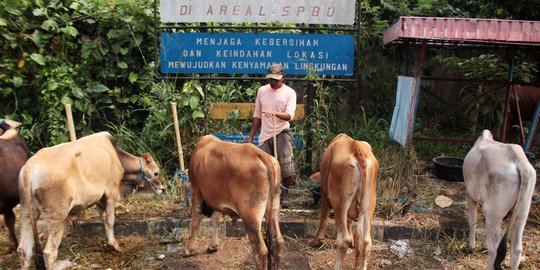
{"x": 396, "y": 182}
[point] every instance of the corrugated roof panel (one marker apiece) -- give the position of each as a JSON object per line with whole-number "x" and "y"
{"x": 464, "y": 30}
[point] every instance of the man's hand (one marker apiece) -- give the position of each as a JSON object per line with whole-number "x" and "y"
{"x": 270, "y": 114}
{"x": 281, "y": 115}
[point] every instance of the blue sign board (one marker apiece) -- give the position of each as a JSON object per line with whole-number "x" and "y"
{"x": 242, "y": 138}
{"x": 251, "y": 53}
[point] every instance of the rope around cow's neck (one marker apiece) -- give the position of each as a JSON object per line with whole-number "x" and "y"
{"x": 143, "y": 176}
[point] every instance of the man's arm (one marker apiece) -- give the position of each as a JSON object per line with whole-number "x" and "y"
{"x": 255, "y": 125}
{"x": 285, "y": 116}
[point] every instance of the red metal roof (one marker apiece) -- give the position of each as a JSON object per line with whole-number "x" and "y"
{"x": 464, "y": 31}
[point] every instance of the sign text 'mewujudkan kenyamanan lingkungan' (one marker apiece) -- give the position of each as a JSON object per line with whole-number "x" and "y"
{"x": 251, "y": 53}
{"x": 262, "y": 11}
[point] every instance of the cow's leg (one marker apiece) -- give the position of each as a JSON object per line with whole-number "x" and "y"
{"x": 358, "y": 232}
{"x": 55, "y": 232}
{"x": 280, "y": 242}
{"x": 26, "y": 246}
{"x": 196, "y": 202}
{"x": 362, "y": 235}
{"x": 255, "y": 237}
{"x": 277, "y": 241}
{"x": 493, "y": 236}
{"x": 214, "y": 238}
{"x": 351, "y": 230}
{"x": 342, "y": 196}
{"x": 343, "y": 239}
{"x": 9, "y": 220}
{"x": 107, "y": 216}
{"x": 323, "y": 220}
{"x": 365, "y": 217}
{"x": 516, "y": 241}
{"x": 473, "y": 217}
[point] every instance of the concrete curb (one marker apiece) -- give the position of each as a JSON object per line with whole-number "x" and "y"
{"x": 305, "y": 228}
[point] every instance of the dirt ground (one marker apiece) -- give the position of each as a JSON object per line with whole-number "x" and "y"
{"x": 151, "y": 252}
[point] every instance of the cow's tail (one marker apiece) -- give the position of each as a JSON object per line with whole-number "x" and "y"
{"x": 274, "y": 182}
{"x": 365, "y": 200}
{"x": 25, "y": 187}
{"x": 525, "y": 176}
{"x": 361, "y": 160}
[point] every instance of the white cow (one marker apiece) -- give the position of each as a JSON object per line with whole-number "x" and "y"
{"x": 500, "y": 178}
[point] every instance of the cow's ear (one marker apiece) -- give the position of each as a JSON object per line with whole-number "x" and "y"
{"x": 316, "y": 177}
{"x": 147, "y": 157}
{"x": 12, "y": 123}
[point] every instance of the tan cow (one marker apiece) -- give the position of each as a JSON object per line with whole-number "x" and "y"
{"x": 500, "y": 178}
{"x": 67, "y": 178}
{"x": 242, "y": 181}
{"x": 348, "y": 182}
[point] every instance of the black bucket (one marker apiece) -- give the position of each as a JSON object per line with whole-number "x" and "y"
{"x": 449, "y": 168}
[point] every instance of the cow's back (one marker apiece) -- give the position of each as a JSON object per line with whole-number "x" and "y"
{"x": 81, "y": 170}
{"x": 228, "y": 171}
{"x": 343, "y": 152}
{"x": 492, "y": 167}
{"x": 343, "y": 158}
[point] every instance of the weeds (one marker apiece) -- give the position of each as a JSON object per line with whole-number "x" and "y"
{"x": 397, "y": 185}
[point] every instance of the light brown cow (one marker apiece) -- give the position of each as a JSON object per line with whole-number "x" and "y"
{"x": 67, "y": 178}
{"x": 500, "y": 178}
{"x": 348, "y": 182}
{"x": 242, "y": 181}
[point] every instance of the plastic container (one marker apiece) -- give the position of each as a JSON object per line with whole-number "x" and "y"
{"x": 449, "y": 168}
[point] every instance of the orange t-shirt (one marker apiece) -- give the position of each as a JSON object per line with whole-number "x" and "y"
{"x": 282, "y": 99}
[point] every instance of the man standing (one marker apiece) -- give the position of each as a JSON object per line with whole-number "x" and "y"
{"x": 276, "y": 100}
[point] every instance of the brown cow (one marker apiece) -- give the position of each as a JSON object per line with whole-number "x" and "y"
{"x": 13, "y": 155}
{"x": 67, "y": 178}
{"x": 242, "y": 181}
{"x": 348, "y": 181}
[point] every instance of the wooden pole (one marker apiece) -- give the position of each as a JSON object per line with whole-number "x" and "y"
{"x": 177, "y": 132}
{"x": 71, "y": 126}
{"x": 274, "y": 135}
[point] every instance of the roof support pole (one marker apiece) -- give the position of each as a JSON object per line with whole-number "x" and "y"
{"x": 504, "y": 128}
{"x": 417, "y": 80}
{"x": 407, "y": 56}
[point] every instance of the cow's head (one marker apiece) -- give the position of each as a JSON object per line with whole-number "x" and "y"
{"x": 8, "y": 134}
{"x": 7, "y": 129}
{"x": 149, "y": 172}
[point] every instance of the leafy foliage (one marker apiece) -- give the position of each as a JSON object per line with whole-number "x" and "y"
{"x": 90, "y": 54}
{"x": 484, "y": 101}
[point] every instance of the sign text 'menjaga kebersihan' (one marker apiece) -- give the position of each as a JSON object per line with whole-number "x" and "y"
{"x": 263, "y": 11}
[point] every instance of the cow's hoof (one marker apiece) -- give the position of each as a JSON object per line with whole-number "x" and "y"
{"x": 316, "y": 243}
{"x": 285, "y": 203}
{"x": 211, "y": 249}
{"x": 115, "y": 247}
{"x": 188, "y": 253}
{"x": 467, "y": 250}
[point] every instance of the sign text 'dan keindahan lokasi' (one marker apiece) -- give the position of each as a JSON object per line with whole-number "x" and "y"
{"x": 262, "y": 11}
{"x": 250, "y": 53}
